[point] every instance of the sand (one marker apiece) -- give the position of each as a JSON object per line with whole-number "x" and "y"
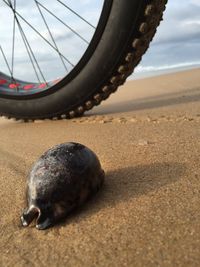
{"x": 148, "y": 212}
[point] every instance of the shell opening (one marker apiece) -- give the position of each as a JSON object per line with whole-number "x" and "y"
{"x": 29, "y": 215}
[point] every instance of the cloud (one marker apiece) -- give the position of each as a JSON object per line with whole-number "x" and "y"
{"x": 195, "y": 2}
{"x": 180, "y": 23}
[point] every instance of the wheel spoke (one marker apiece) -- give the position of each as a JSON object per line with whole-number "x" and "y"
{"x": 70, "y": 28}
{"x": 75, "y": 13}
{"x": 30, "y": 53}
{"x": 50, "y": 33}
{"x": 27, "y": 46}
{"x": 8, "y": 66}
{"x": 13, "y": 41}
{"x": 6, "y": 61}
{"x": 35, "y": 30}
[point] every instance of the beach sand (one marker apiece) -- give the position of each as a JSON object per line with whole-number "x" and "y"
{"x": 147, "y": 136}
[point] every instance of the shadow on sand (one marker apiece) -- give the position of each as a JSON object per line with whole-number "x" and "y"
{"x": 121, "y": 185}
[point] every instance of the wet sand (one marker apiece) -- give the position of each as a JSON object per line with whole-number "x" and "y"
{"x": 147, "y": 137}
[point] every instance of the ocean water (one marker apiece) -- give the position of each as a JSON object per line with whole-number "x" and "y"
{"x": 146, "y": 72}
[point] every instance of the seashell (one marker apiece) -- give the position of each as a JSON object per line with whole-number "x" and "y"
{"x": 63, "y": 178}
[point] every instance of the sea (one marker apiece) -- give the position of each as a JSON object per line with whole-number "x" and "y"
{"x": 142, "y": 72}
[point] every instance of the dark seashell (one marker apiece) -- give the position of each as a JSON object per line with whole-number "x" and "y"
{"x": 62, "y": 179}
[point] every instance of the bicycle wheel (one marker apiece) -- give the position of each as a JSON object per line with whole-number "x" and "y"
{"x": 53, "y": 67}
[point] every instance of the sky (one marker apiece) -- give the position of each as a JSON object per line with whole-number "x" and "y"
{"x": 176, "y": 44}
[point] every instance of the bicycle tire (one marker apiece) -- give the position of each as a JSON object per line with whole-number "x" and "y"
{"x": 125, "y": 36}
